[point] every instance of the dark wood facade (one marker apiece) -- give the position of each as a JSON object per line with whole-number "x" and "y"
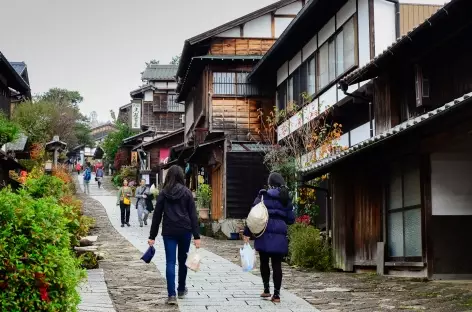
{"x": 408, "y": 193}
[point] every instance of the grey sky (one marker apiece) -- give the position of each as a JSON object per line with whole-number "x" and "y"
{"x": 98, "y": 47}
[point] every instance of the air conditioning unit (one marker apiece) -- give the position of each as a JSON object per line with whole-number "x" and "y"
{"x": 182, "y": 118}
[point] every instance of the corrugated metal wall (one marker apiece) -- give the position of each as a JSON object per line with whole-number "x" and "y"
{"x": 411, "y": 15}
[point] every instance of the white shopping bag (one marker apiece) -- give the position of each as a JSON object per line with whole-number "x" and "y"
{"x": 248, "y": 258}
{"x": 193, "y": 261}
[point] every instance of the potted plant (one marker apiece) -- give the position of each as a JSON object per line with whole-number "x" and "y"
{"x": 234, "y": 235}
{"x": 203, "y": 201}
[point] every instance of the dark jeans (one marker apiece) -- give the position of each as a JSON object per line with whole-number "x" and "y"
{"x": 171, "y": 243}
{"x": 276, "y": 268}
{"x": 125, "y": 211}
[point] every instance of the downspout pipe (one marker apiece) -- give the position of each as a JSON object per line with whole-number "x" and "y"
{"x": 343, "y": 86}
{"x": 397, "y": 16}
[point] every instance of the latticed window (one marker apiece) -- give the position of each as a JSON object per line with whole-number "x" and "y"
{"x": 233, "y": 83}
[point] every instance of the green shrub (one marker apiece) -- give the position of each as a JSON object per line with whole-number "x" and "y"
{"x": 308, "y": 249}
{"x": 88, "y": 260}
{"x": 38, "y": 271}
{"x": 29, "y": 164}
{"x": 46, "y": 185}
{"x": 204, "y": 196}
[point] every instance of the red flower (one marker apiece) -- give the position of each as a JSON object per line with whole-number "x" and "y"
{"x": 305, "y": 219}
{"x": 44, "y": 294}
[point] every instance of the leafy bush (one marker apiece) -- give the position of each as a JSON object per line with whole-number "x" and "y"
{"x": 128, "y": 173}
{"x": 45, "y": 186}
{"x": 38, "y": 271}
{"x": 9, "y": 131}
{"x": 88, "y": 260}
{"x": 29, "y": 164}
{"x": 308, "y": 249}
{"x": 203, "y": 196}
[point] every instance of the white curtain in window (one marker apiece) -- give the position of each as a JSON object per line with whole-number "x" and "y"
{"x": 311, "y": 72}
{"x": 324, "y": 65}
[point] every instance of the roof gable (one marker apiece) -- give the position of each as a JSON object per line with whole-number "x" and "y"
{"x": 156, "y": 72}
{"x": 187, "y": 52}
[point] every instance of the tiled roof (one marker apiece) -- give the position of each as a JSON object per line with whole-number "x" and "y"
{"x": 160, "y": 72}
{"x": 142, "y": 89}
{"x": 19, "y": 67}
{"x": 401, "y": 128}
{"x": 17, "y": 145}
{"x": 249, "y": 147}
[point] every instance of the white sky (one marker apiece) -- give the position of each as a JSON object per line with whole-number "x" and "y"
{"x": 98, "y": 47}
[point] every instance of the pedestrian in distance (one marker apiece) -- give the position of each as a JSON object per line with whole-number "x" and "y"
{"x": 142, "y": 193}
{"x": 175, "y": 206}
{"x": 124, "y": 201}
{"x": 99, "y": 176}
{"x": 78, "y": 167}
{"x": 272, "y": 245}
{"x": 87, "y": 178}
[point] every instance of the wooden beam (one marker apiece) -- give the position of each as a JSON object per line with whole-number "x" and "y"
{"x": 371, "y": 29}
{"x": 285, "y": 15}
{"x": 241, "y": 30}
{"x": 272, "y": 25}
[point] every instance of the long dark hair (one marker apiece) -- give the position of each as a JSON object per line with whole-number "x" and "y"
{"x": 175, "y": 175}
{"x": 277, "y": 181}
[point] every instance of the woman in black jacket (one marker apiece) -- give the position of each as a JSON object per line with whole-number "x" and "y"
{"x": 175, "y": 206}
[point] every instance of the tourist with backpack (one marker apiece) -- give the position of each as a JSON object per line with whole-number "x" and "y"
{"x": 87, "y": 178}
{"x": 99, "y": 176}
{"x": 272, "y": 212}
{"x": 175, "y": 207}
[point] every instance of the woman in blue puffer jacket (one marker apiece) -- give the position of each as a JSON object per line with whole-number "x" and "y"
{"x": 273, "y": 244}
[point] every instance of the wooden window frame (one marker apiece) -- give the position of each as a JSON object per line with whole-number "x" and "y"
{"x": 235, "y": 84}
{"x": 403, "y": 209}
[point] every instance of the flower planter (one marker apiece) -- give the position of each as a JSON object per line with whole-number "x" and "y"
{"x": 203, "y": 213}
{"x": 234, "y": 236}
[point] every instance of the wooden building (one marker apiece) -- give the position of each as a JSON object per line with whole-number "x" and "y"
{"x": 14, "y": 84}
{"x": 157, "y": 153}
{"x": 401, "y": 199}
{"x": 221, "y": 107}
{"x": 156, "y": 100}
{"x": 328, "y": 41}
{"x": 14, "y": 88}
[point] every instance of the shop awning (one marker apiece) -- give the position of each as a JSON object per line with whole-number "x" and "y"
{"x": 201, "y": 154}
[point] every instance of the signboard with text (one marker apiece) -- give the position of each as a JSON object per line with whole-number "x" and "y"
{"x": 136, "y": 115}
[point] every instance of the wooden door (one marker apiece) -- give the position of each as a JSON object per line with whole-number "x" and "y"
{"x": 217, "y": 193}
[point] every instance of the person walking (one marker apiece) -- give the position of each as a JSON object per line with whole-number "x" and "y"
{"x": 87, "y": 178}
{"x": 175, "y": 206}
{"x": 142, "y": 193}
{"x": 272, "y": 245}
{"x": 78, "y": 167}
{"x": 124, "y": 201}
{"x": 99, "y": 175}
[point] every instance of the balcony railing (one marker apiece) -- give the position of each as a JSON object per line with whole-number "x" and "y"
{"x": 166, "y": 106}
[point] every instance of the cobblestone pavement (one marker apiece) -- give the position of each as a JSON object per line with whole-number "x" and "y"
{"x": 94, "y": 293}
{"x": 220, "y": 285}
{"x": 133, "y": 285}
{"x": 332, "y": 292}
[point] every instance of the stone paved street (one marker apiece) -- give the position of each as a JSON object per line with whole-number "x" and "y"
{"x": 219, "y": 286}
{"x": 94, "y": 293}
{"x": 223, "y": 280}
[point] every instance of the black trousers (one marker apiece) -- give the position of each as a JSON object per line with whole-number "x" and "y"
{"x": 125, "y": 211}
{"x": 276, "y": 270}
